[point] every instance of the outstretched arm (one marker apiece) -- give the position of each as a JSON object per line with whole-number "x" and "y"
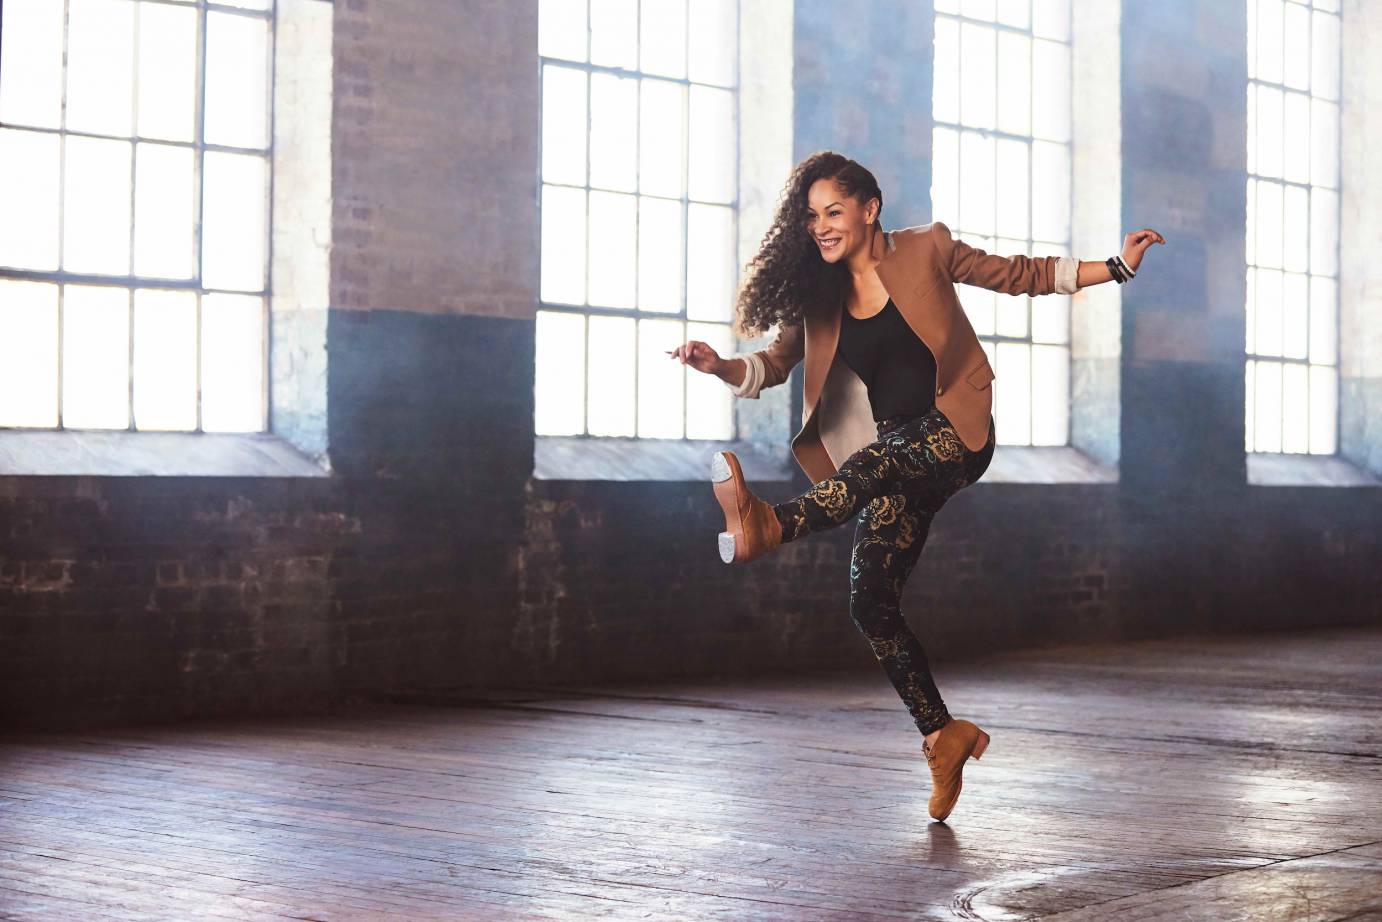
{"x": 749, "y": 373}
{"x": 1134, "y": 245}
{"x": 1031, "y": 275}
{"x": 1014, "y": 275}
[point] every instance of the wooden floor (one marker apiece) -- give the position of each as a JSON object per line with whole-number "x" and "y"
{"x": 1215, "y": 779}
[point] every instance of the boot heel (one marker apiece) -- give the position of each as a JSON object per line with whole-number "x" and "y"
{"x": 980, "y": 745}
{"x": 726, "y": 545}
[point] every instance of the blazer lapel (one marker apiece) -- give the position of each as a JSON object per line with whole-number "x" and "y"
{"x": 824, "y": 337}
{"x": 901, "y": 278}
{"x": 892, "y": 274}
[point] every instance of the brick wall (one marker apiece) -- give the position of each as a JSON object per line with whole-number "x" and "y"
{"x": 431, "y": 558}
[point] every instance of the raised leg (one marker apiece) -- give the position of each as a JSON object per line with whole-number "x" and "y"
{"x": 924, "y": 449}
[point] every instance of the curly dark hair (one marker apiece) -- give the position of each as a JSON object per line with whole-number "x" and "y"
{"x": 788, "y": 277}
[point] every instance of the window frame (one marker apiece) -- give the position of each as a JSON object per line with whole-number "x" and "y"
{"x": 953, "y": 11}
{"x": 635, "y": 313}
{"x": 130, "y": 282}
{"x": 1251, "y": 358}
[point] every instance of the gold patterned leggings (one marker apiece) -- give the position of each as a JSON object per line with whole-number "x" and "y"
{"x": 900, "y": 481}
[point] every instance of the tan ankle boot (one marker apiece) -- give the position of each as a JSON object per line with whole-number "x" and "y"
{"x": 957, "y": 741}
{"x": 751, "y": 528}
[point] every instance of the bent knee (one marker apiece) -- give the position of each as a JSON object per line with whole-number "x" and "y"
{"x": 872, "y": 605}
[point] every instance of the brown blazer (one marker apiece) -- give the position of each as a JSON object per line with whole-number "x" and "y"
{"x": 919, "y": 267}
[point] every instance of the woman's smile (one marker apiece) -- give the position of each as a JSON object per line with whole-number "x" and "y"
{"x": 828, "y": 244}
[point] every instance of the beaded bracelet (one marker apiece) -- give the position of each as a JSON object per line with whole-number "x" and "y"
{"x": 1119, "y": 269}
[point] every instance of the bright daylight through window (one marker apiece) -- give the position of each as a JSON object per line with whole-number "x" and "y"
{"x": 1292, "y": 365}
{"x": 133, "y": 250}
{"x": 639, "y": 200}
{"x": 1001, "y": 182}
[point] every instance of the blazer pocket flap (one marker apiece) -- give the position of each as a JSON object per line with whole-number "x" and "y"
{"x": 980, "y": 377}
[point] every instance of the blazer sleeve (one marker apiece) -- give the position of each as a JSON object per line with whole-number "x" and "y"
{"x": 1014, "y": 275}
{"x": 770, "y": 366}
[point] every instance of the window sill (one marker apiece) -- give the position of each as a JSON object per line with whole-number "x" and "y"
{"x": 92, "y": 453}
{"x": 1273, "y": 470}
{"x": 603, "y": 458}
{"x": 1033, "y": 464}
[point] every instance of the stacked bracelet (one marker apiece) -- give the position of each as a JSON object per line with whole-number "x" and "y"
{"x": 1119, "y": 270}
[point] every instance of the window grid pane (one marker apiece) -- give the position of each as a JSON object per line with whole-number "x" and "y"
{"x": 130, "y": 140}
{"x": 1001, "y": 182}
{"x": 1291, "y": 349}
{"x": 639, "y": 214}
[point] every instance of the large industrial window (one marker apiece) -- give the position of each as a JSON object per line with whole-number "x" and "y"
{"x": 638, "y": 213}
{"x": 135, "y": 141}
{"x": 1001, "y": 182}
{"x": 1292, "y": 373}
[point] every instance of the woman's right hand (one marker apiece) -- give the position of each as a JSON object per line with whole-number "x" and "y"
{"x": 700, "y": 356}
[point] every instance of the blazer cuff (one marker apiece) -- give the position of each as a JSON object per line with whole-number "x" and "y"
{"x": 753, "y": 376}
{"x": 1067, "y": 275}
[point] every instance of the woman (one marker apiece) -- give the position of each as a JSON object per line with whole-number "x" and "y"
{"x": 898, "y": 401}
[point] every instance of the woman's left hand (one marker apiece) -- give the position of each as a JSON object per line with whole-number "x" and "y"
{"x": 1136, "y": 243}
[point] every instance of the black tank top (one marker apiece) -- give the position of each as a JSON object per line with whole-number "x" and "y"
{"x": 891, "y": 359}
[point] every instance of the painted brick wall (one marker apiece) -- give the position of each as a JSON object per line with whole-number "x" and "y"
{"x": 435, "y": 157}
{"x": 431, "y": 558}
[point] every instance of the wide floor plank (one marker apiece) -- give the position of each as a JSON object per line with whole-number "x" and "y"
{"x": 1201, "y": 778}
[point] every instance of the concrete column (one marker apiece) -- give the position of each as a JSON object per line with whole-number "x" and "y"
{"x": 1184, "y": 71}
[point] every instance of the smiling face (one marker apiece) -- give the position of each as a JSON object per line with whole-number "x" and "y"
{"x": 837, "y": 222}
